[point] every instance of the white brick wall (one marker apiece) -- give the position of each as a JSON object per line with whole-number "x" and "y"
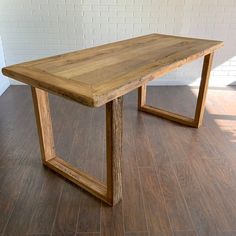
{"x": 4, "y": 82}
{"x": 36, "y": 28}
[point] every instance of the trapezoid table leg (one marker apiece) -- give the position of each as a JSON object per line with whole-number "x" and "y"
{"x": 200, "y": 107}
{"x": 111, "y": 193}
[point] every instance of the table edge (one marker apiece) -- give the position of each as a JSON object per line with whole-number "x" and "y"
{"x": 89, "y": 97}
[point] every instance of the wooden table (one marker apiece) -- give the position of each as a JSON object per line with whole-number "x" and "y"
{"x": 102, "y": 75}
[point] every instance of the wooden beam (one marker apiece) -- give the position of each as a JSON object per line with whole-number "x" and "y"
{"x": 168, "y": 115}
{"x": 142, "y": 93}
{"x": 206, "y": 71}
{"x": 199, "y": 112}
{"x": 114, "y": 149}
{"x": 110, "y": 193}
{"x": 78, "y": 177}
{"x": 44, "y": 124}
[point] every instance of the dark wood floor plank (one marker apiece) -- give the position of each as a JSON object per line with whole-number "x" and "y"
{"x": 142, "y": 145}
{"x": 137, "y": 234}
{"x": 189, "y": 150}
{"x": 214, "y": 168}
{"x": 184, "y": 233}
{"x": 220, "y": 189}
{"x": 136, "y": 128}
{"x": 163, "y": 133}
{"x": 88, "y": 234}
{"x": 38, "y": 234}
{"x": 19, "y": 158}
{"x": 195, "y": 168}
{"x": 89, "y": 214}
{"x": 155, "y": 206}
{"x": 19, "y": 221}
{"x": 10, "y": 187}
{"x": 176, "y": 206}
{"x": 112, "y": 220}
{"x": 11, "y": 120}
{"x": 163, "y": 137}
{"x": 130, "y": 177}
{"x": 228, "y": 233}
{"x": 65, "y": 222}
{"x": 46, "y": 205}
{"x": 90, "y": 207}
{"x": 132, "y": 189}
{"x": 196, "y": 148}
{"x": 175, "y": 202}
{"x": 67, "y": 213}
{"x": 198, "y": 203}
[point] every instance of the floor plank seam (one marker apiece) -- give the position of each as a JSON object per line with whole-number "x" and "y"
{"x": 77, "y": 218}
{"x": 8, "y": 220}
{"x": 164, "y": 200}
{"x": 185, "y": 202}
{"x": 141, "y": 189}
{"x": 144, "y": 205}
{"x": 57, "y": 208}
{"x": 154, "y": 161}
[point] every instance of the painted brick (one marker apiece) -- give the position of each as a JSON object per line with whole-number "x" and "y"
{"x": 32, "y": 28}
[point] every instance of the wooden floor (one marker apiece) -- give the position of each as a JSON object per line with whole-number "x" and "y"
{"x": 176, "y": 180}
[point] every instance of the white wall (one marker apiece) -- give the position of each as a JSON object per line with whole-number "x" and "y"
{"x": 36, "y": 28}
{"x": 4, "y": 82}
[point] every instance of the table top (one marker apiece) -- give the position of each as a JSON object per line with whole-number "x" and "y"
{"x": 97, "y": 75}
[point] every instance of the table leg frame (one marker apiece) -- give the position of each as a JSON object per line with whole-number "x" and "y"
{"x": 195, "y": 122}
{"x": 111, "y": 192}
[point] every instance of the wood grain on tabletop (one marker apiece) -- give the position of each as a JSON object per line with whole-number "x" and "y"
{"x": 97, "y": 75}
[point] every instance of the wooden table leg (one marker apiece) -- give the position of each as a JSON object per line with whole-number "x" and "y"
{"x": 114, "y": 149}
{"x": 111, "y": 193}
{"x": 44, "y": 124}
{"x": 142, "y": 94}
{"x": 192, "y": 122}
{"x": 200, "y": 108}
